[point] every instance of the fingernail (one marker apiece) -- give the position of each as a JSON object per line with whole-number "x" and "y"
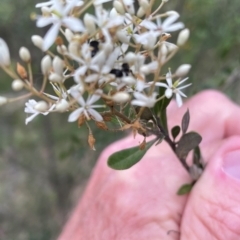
{"x": 231, "y": 164}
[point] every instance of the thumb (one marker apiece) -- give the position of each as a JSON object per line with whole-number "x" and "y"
{"x": 213, "y": 207}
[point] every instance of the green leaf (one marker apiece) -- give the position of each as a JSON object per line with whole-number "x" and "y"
{"x": 128, "y": 157}
{"x": 187, "y": 143}
{"x": 184, "y": 189}
{"x": 185, "y": 121}
{"x": 175, "y": 131}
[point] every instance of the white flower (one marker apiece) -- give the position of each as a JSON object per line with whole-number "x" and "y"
{"x": 4, "y": 54}
{"x": 86, "y": 106}
{"x": 144, "y": 101}
{"x": 78, "y": 3}
{"x": 173, "y": 88}
{"x": 30, "y": 108}
{"x": 59, "y": 17}
{"x": 167, "y": 26}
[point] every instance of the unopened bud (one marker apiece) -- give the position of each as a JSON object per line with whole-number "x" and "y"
{"x": 170, "y": 13}
{"x": 91, "y": 141}
{"x": 17, "y": 85}
{"x": 37, "y": 41}
{"x": 21, "y": 71}
{"x": 69, "y": 35}
{"x": 73, "y": 48}
{"x": 3, "y": 100}
{"x": 141, "y": 12}
{"x": 119, "y": 7}
{"x": 120, "y": 97}
{"x": 122, "y": 36}
{"x": 148, "y": 68}
{"x": 144, "y": 4}
{"x": 54, "y": 77}
{"x": 62, "y": 106}
{"x": 24, "y": 54}
{"x": 89, "y": 23}
{"x": 58, "y": 65}
{"x": 4, "y": 54}
{"x": 183, "y": 37}
{"x": 183, "y": 70}
{"x": 41, "y": 106}
{"x": 130, "y": 57}
{"x": 62, "y": 49}
{"x": 129, "y": 80}
{"x": 46, "y": 64}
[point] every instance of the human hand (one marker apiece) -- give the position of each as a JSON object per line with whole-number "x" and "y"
{"x": 141, "y": 203}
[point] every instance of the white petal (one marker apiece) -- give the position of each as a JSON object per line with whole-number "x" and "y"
{"x": 50, "y": 36}
{"x": 179, "y": 100}
{"x": 74, "y": 24}
{"x": 95, "y": 114}
{"x": 75, "y": 115}
{"x": 171, "y": 19}
{"x": 160, "y": 84}
{"x": 148, "y": 24}
{"x": 138, "y": 103}
{"x": 30, "y": 118}
{"x": 95, "y": 97}
{"x": 168, "y": 93}
{"x": 174, "y": 27}
{"x": 44, "y": 21}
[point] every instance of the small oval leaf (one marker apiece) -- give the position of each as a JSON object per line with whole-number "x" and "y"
{"x": 184, "y": 189}
{"x": 185, "y": 121}
{"x": 128, "y": 157}
{"x": 175, "y": 131}
{"x": 187, "y": 143}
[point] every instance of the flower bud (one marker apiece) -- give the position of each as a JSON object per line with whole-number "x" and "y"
{"x": 37, "y": 41}
{"x": 129, "y": 80}
{"x": 3, "y": 100}
{"x": 183, "y": 37}
{"x": 183, "y": 70}
{"x": 17, "y": 85}
{"x": 69, "y": 35}
{"x": 46, "y": 64}
{"x": 120, "y": 97}
{"x": 122, "y": 36}
{"x": 24, "y": 54}
{"x": 89, "y": 23}
{"x": 62, "y": 106}
{"x": 119, "y": 7}
{"x": 113, "y": 13}
{"x": 41, "y": 106}
{"x": 129, "y": 6}
{"x": 58, "y": 65}
{"x": 130, "y": 57}
{"x": 21, "y": 71}
{"x": 54, "y": 77}
{"x": 170, "y": 13}
{"x": 4, "y": 54}
{"x": 144, "y": 4}
{"x": 62, "y": 49}
{"x": 73, "y": 48}
{"x": 141, "y": 12}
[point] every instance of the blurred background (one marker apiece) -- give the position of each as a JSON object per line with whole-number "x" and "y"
{"x": 45, "y": 165}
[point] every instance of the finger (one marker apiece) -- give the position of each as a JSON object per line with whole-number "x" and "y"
{"x": 213, "y": 210}
{"x": 138, "y": 203}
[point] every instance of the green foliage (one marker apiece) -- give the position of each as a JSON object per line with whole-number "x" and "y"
{"x": 128, "y": 157}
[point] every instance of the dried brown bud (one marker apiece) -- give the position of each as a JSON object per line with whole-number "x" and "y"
{"x": 143, "y": 144}
{"x": 102, "y": 125}
{"x": 59, "y": 41}
{"x": 91, "y": 141}
{"x": 81, "y": 120}
{"x": 107, "y": 117}
{"x": 21, "y": 71}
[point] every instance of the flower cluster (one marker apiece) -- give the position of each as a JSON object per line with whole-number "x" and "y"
{"x": 101, "y": 65}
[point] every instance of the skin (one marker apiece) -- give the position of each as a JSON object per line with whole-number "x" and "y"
{"x": 141, "y": 203}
